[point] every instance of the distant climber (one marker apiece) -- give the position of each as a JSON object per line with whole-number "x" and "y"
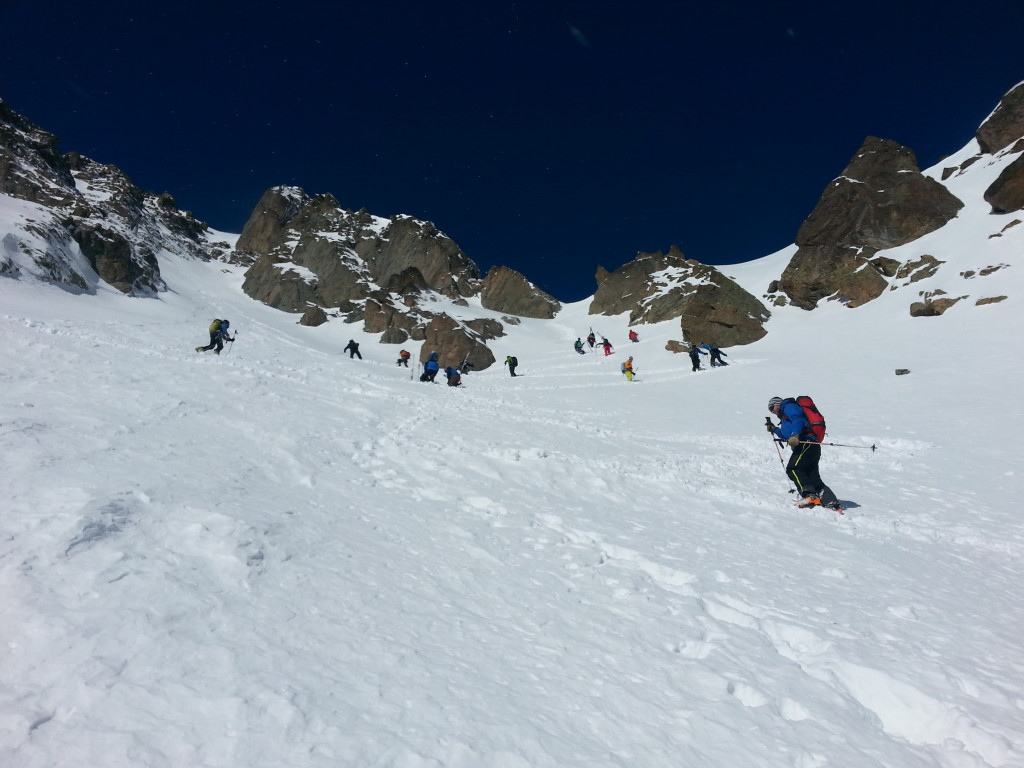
{"x": 627, "y": 369}
{"x": 695, "y": 353}
{"x": 218, "y": 335}
{"x": 353, "y": 350}
{"x": 716, "y": 355}
{"x": 453, "y": 376}
{"x": 430, "y": 368}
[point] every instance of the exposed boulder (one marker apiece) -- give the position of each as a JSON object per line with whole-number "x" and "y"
{"x": 394, "y": 335}
{"x": 655, "y": 287}
{"x": 505, "y": 290}
{"x": 313, "y": 317}
{"x": 932, "y": 304}
{"x": 455, "y": 343}
{"x": 882, "y": 200}
{"x": 1006, "y": 123}
{"x": 1006, "y": 193}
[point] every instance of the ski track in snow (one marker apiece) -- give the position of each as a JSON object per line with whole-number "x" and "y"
{"x": 284, "y": 557}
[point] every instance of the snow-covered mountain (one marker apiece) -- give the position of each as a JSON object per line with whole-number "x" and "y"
{"x": 284, "y": 556}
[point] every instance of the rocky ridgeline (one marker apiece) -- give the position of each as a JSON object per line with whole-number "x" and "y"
{"x": 81, "y": 222}
{"x": 656, "y": 287}
{"x": 882, "y": 200}
{"x": 87, "y": 222}
{"x": 310, "y": 256}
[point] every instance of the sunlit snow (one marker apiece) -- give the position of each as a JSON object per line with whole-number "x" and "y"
{"x": 284, "y": 557}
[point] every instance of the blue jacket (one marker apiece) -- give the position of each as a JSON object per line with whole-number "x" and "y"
{"x": 793, "y": 421}
{"x": 431, "y": 365}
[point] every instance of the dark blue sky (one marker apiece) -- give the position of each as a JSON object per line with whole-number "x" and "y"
{"x": 547, "y": 136}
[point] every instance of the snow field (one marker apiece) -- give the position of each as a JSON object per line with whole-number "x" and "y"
{"x": 281, "y": 556}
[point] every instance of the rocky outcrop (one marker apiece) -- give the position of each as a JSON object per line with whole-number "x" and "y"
{"x": 1006, "y": 123}
{"x": 455, "y": 343}
{"x": 31, "y": 167}
{"x": 89, "y": 222}
{"x": 932, "y": 304}
{"x": 265, "y": 228}
{"x": 655, "y": 287}
{"x": 505, "y": 290}
{"x": 1006, "y": 193}
{"x": 882, "y": 200}
{"x": 309, "y": 250}
{"x": 313, "y": 317}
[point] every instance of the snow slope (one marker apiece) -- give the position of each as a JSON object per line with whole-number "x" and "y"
{"x": 284, "y": 557}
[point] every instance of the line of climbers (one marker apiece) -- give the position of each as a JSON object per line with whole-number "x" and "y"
{"x": 219, "y": 333}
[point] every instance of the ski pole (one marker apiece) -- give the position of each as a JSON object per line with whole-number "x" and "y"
{"x": 778, "y": 449}
{"x": 232, "y": 345}
{"x": 840, "y": 445}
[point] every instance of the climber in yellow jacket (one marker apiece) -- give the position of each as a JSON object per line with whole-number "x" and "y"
{"x": 627, "y": 369}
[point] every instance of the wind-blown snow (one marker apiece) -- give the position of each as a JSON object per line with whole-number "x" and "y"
{"x": 284, "y": 557}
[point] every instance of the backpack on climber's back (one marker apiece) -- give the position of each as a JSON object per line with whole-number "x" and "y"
{"x": 813, "y": 416}
{"x": 215, "y": 326}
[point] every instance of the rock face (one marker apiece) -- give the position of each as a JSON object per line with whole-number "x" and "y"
{"x": 655, "y": 287}
{"x": 85, "y": 222}
{"x": 1006, "y": 193}
{"x": 1006, "y": 123}
{"x": 505, "y": 290}
{"x": 31, "y": 167}
{"x": 1003, "y": 130}
{"x": 309, "y": 250}
{"x": 882, "y": 200}
{"x": 455, "y": 343}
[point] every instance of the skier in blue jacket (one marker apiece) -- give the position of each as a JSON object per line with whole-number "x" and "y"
{"x": 795, "y": 430}
{"x": 430, "y": 368}
{"x": 716, "y": 355}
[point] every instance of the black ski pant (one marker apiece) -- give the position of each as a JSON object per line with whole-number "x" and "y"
{"x": 428, "y": 375}
{"x": 217, "y": 341}
{"x": 803, "y": 468}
